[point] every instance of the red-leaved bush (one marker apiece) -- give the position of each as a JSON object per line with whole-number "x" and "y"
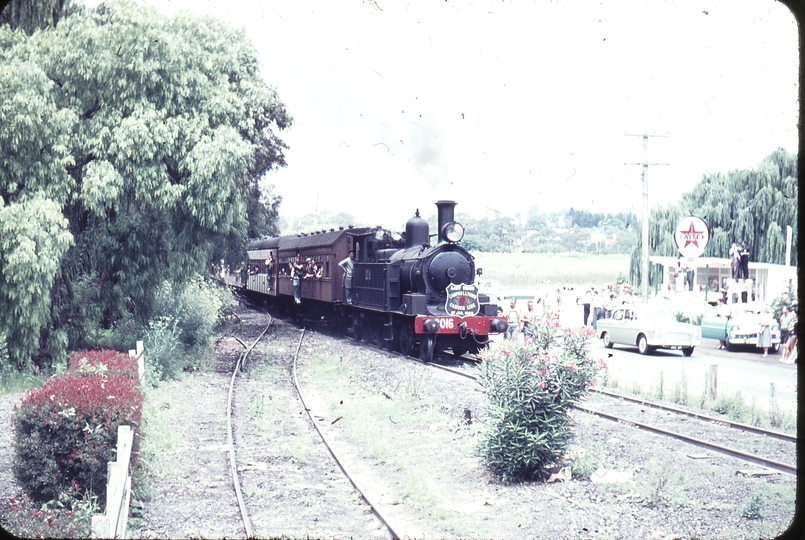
{"x": 105, "y": 362}
{"x": 66, "y": 432}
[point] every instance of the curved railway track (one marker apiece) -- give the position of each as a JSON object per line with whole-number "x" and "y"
{"x": 247, "y": 525}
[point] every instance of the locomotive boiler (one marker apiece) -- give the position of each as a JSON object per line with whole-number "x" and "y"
{"x": 408, "y": 293}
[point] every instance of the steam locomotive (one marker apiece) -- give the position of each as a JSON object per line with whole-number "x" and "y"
{"x": 407, "y": 294}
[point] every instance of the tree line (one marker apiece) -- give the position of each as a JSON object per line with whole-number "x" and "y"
{"x": 551, "y": 232}
{"x": 134, "y": 151}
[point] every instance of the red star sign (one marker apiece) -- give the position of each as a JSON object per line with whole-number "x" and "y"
{"x": 691, "y": 236}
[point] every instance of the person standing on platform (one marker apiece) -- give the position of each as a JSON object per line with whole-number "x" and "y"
{"x": 735, "y": 261}
{"x": 745, "y": 254}
{"x": 271, "y": 264}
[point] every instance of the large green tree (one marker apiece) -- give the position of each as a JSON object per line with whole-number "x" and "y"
{"x": 140, "y": 142}
{"x": 755, "y": 205}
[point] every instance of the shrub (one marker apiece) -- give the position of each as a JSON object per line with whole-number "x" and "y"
{"x": 69, "y": 516}
{"x": 66, "y": 432}
{"x": 105, "y": 362}
{"x": 530, "y": 392}
{"x": 753, "y": 507}
{"x": 545, "y": 331}
{"x": 165, "y": 355}
{"x": 180, "y": 333}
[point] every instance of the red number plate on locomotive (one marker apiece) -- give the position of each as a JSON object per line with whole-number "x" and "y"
{"x": 450, "y": 325}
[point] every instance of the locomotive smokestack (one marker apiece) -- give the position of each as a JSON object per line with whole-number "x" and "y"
{"x": 446, "y": 209}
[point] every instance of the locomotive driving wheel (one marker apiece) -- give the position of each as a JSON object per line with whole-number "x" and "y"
{"x": 426, "y": 346}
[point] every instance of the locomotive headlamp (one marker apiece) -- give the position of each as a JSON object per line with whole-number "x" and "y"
{"x": 453, "y": 231}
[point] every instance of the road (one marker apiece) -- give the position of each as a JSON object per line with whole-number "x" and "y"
{"x": 745, "y": 371}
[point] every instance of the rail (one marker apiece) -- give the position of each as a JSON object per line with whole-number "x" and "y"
{"x": 230, "y": 439}
{"x": 328, "y": 445}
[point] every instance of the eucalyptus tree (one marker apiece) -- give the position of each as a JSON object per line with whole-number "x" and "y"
{"x": 756, "y": 205}
{"x": 140, "y": 140}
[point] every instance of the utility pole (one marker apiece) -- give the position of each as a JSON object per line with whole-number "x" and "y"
{"x": 644, "y": 177}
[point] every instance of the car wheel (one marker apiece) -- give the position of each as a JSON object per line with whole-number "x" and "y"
{"x": 642, "y": 345}
{"x": 607, "y": 342}
{"x": 687, "y": 351}
{"x": 775, "y": 348}
{"x": 730, "y": 346}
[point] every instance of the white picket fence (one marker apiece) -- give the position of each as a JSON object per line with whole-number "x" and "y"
{"x": 118, "y": 480}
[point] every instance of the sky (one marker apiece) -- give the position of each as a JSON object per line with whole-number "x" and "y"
{"x": 504, "y": 105}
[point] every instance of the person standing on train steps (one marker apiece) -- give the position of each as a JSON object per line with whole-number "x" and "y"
{"x": 347, "y": 265}
{"x": 271, "y": 264}
{"x": 297, "y": 272}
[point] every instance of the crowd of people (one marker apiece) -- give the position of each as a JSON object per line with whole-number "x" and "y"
{"x": 600, "y": 304}
{"x": 597, "y": 304}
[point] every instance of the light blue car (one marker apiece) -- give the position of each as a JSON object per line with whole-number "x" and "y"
{"x": 740, "y": 328}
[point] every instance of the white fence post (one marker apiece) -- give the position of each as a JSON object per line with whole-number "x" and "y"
{"x": 118, "y": 490}
{"x": 139, "y": 354}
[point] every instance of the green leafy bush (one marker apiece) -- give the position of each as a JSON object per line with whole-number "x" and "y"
{"x": 530, "y": 391}
{"x": 200, "y": 308}
{"x": 753, "y": 507}
{"x": 68, "y": 516}
{"x": 66, "y": 432}
{"x": 545, "y": 331}
{"x": 180, "y": 334}
{"x": 164, "y": 357}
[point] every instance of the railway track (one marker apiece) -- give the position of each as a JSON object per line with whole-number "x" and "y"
{"x": 723, "y": 430}
{"x": 230, "y": 439}
{"x": 745, "y": 452}
{"x": 260, "y": 467}
{"x": 341, "y": 464}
